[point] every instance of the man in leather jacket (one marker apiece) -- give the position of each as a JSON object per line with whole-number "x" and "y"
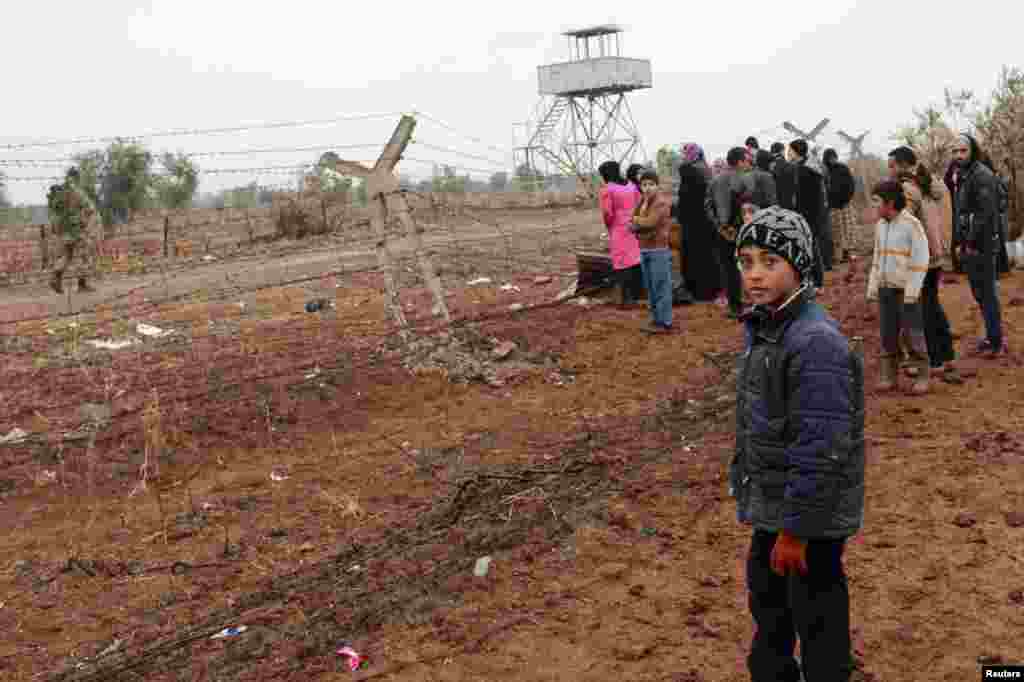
{"x": 976, "y": 224}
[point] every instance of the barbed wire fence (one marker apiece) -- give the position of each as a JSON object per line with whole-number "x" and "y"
{"x": 245, "y": 358}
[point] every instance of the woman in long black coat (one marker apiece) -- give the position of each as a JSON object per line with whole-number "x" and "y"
{"x": 699, "y": 261}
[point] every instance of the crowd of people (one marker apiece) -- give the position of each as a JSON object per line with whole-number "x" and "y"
{"x": 712, "y": 206}
{"x": 761, "y": 233}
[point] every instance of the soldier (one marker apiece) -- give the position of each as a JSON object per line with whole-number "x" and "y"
{"x": 71, "y": 210}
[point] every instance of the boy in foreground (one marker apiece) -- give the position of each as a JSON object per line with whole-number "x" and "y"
{"x": 798, "y": 471}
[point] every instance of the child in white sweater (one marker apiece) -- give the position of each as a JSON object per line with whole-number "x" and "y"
{"x": 898, "y": 269}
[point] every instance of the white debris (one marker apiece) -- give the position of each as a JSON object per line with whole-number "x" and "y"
{"x": 583, "y": 300}
{"x": 483, "y": 565}
{"x": 278, "y": 476}
{"x": 114, "y": 646}
{"x": 209, "y": 258}
{"x": 516, "y": 307}
{"x": 478, "y": 280}
{"x": 16, "y": 435}
{"x": 510, "y": 287}
{"x": 110, "y": 344}
{"x": 568, "y": 292}
{"x": 151, "y": 331}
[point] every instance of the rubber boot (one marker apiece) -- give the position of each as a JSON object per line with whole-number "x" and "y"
{"x": 55, "y": 281}
{"x": 83, "y": 286}
{"x": 951, "y": 375}
{"x": 920, "y": 385}
{"x": 888, "y": 373}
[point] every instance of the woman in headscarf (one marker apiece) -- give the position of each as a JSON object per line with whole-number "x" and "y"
{"x": 699, "y": 257}
{"x": 618, "y": 198}
{"x": 633, "y": 175}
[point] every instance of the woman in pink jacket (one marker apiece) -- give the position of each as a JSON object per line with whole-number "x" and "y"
{"x": 618, "y": 200}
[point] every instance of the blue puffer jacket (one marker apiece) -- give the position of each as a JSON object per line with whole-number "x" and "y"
{"x": 799, "y": 462}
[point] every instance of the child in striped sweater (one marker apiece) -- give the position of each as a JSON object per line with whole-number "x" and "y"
{"x": 898, "y": 269}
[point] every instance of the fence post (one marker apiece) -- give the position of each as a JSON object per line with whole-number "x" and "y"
{"x": 44, "y": 246}
{"x": 400, "y": 207}
{"x": 394, "y": 306}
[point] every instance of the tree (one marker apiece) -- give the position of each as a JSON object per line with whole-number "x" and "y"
{"x": 668, "y": 159}
{"x": 246, "y": 196}
{"x": 999, "y": 125}
{"x": 448, "y": 181}
{"x": 177, "y": 188}
{"x": 930, "y": 136}
{"x": 528, "y": 179}
{"x": 498, "y": 181}
{"x": 119, "y": 179}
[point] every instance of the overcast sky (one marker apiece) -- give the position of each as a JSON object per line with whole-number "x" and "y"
{"x": 721, "y": 71}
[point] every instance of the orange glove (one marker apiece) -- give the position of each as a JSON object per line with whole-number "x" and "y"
{"x": 788, "y": 554}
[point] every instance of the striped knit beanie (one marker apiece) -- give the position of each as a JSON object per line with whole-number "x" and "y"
{"x": 784, "y": 232}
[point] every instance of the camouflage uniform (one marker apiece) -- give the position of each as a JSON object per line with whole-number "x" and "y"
{"x": 71, "y": 210}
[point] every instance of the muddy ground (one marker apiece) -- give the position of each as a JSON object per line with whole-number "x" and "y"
{"x": 311, "y": 478}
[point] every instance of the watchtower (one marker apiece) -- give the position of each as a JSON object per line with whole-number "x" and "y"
{"x": 584, "y": 117}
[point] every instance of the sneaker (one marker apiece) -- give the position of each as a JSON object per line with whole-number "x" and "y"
{"x": 654, "y": 328}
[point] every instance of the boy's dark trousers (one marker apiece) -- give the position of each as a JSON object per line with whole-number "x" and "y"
{"x": 730, "y": 272}
{"x": 895, "y": 316}
{"x": 937, "y": 332}
{"x": 814, "y": 607}
{"x": 631, "y": 283}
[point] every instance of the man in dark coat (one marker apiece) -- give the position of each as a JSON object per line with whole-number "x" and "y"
{"x": 811, "y": 203}
{"x": 976, "y": 223}
{"x": 841, "y": 187}
{"x": 726, "y": 195}
{"x": 765, "y": 194}
{"x": 785, "y": 177}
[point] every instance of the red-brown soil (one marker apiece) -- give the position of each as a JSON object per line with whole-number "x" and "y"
{"x": 591, "y": 468}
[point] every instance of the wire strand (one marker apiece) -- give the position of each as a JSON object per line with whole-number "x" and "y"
{"x": 181, "y": 132}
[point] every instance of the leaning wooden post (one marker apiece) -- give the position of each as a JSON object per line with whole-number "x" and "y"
{"x": 398, "y": 205}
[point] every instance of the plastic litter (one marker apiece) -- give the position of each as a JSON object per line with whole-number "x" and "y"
{"x": 151, "y": 331}
{"x": 510, "y": 287}
{"x": 209, "y": 258}
{"x": 515, "y": 307}
{"x": 110, "y": 344}
{"x": 230, "y": 632}
{"x": 316, "y": 304}
{"x": 483, "y": 565}
{"x": 14, "y": 436}
{"x": 278, "y": 476}
{"x": 478, "y": 280}
{"x": 353, "y": 659}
